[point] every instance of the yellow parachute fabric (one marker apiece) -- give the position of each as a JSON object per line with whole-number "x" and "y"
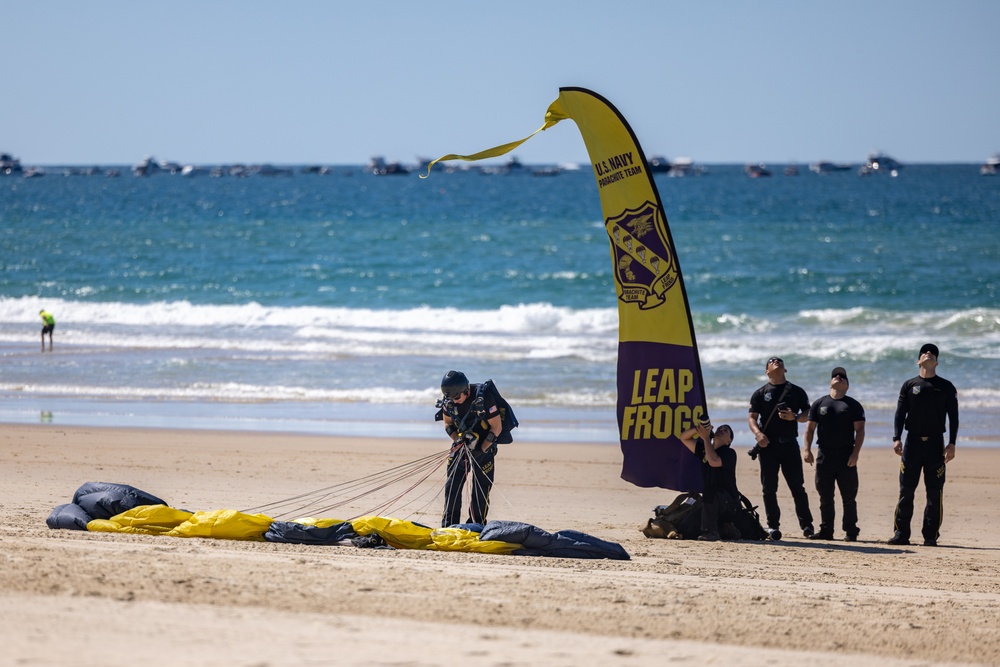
{"x": 142, "y": 520}
{"x": 163, "y": 520}
{"x": 408, "y": 535}
{"x": 224, "y": 525}
{"x": 233, "y": 525}
{"x": 459, "y": 539}
{"x": 396, "y": 532}
{"x": 318, "y": 523}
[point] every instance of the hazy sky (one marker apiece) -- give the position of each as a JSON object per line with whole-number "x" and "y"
{"x": 337, "y": 82}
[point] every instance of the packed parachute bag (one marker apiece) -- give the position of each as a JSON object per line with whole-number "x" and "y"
{"x": 747, "y": 521}
{"x": 507, "y": 418}
{"x": 680, "y": 520}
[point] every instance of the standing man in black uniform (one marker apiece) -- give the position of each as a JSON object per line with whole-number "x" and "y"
{"x": 924, "y": 403}
{"x": 775, "y": 412}
{"x": 840, "y": 422}
{"x": 473, "y": 421}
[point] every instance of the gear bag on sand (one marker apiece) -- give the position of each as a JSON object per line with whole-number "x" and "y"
{"x": 680, "y": 520}
{"x": 747, "y": 521}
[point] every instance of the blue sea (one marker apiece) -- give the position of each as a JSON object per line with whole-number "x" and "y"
{"x": 333, "y": 303}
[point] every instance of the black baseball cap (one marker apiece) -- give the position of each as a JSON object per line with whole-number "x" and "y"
{"x": 839, "y": 370}
{"x": 929, "y": 347}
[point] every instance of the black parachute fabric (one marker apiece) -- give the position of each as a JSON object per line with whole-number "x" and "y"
{"x": 68, "y": 517}
{"x": 563, "y": 544}
{"x": 297, "y": 533}
{"x": 103, "y": 500}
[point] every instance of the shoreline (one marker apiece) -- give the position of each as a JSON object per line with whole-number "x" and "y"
{"x": 979, "y": 427}
{"x": 740, "y": 602}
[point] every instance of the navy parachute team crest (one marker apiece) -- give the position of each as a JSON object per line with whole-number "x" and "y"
{"x": 644, "y": 262}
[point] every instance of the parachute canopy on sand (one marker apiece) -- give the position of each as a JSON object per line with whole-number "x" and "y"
{"x": 158, "y": 518}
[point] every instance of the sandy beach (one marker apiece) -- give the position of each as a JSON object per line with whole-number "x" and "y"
{"x": 72, "y": 597}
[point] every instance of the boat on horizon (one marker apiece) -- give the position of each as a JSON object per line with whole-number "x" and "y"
{"x": 991, "y": 166}
{"x": 827, "y": 167}
{"x": 684, "y": 166}
{"x": 378, "y": 166}
{"x": 512, "y": 166}
{"x": 10, "y": 165}
{"x": 880, "y": 163}
{"x": 147, "y": 167}
{"x": 658, "y": 164}
{"x": 757, "y": 170}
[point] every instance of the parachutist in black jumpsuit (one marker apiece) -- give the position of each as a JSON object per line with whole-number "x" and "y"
{"x": 476, "y": 450}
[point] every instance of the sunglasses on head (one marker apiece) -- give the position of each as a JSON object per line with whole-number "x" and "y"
{"x": 775, "y": 360}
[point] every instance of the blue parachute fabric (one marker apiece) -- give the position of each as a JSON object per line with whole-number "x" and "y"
{"x": 471, "y": 527}
{"x": 103, "y": 500}
{"x": 298, "y": 533}
{"x": 563, "y": 544}
{"x": 68, "y": 517}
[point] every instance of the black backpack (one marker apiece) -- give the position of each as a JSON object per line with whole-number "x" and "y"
{"x": 747, "y": 521}
{"x": 507, "y": 418}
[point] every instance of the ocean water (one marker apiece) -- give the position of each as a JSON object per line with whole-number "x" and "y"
{"x": 334, "y": 303}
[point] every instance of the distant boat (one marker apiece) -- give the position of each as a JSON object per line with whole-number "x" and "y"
{"x": 271, "y": 170}
{"x": 757, "y": 171}
{"x": 10, "y": 165}
{"x": 659, "y": 164}
{"x": 684, "y": 166}
{"x": 171, "y": 167}
{"x": 791, "y": 170}
{"x": 880, "y": 163}
{"x": 546, "y": 171}
{"x": 34, "y": 172}
{"x": 991, "y": 166}
{"x": 513, "y": 166}
{"x": 147, "y": 167}
{"x": 378, "y": 166}
{"x": 824, "y": 167}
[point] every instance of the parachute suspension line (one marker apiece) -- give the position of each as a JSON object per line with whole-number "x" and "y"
{"x": 379, "y": 484}
{"x": 342, "y": 485}
{"x": 427, "y": 468}
{"x": 495, "y": 489}
{"x": 363, "y": 486}
{"x": 391, "y": 502}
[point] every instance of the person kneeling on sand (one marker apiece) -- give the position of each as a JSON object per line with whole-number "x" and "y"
{"x": 720, "y": 495}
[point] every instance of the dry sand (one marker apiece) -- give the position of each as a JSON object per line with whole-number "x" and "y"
{"x": 78, "y": 598}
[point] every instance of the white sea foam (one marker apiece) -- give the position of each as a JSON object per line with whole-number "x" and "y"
{"x": 547, "y": 355}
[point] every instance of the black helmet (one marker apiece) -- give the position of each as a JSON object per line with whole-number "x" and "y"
{"x": 453, "y": 384}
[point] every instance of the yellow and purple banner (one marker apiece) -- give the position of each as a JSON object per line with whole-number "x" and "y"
{"x": 660, "y": 389}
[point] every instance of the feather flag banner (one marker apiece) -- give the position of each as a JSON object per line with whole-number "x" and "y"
{"x": 660, "y": 388}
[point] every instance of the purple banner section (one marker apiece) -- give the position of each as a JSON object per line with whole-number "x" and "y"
{"x": 659, "y": 397}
